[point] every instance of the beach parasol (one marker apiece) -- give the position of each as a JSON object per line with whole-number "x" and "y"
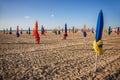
{"x": 36, "y": 34}
{"x": 118, "y": 31}
{"x": 29, "y": 31}
{"x": 54, "y": 31}
{"x": 105, "y": 30}
{"x": 62, "y": 30}
{"x": 84, "y": 31}
{"x": 17, "y": 32}
{"x": 97, "y": 45}
{"x": 58, "y": 30}
{"x": 21, "y": 31}
{"x": 10, "y": 31}
{"x": 65, "y": 34}
{"x": 42, "y": 30}
{"x": 109, "y": 30}
{"x": 4, "y": 31}
{"x": 93, "y": 30}
{"x": 65, "y": 28}
{"x": 73, "y": 29}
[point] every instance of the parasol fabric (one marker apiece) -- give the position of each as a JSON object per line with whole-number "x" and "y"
{"x": 99, "y": 29}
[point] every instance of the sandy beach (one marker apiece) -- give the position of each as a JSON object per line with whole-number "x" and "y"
{"x": 58, "y": 59}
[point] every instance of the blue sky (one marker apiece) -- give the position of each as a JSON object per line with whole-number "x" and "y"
{"x": 52, "y": 13}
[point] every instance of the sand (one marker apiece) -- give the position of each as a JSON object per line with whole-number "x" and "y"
{"x": 58, "y": 59}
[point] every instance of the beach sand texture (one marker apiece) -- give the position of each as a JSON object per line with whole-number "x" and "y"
{"x": 58, "y": 59}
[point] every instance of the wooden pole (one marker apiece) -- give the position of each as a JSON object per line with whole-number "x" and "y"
{"x": 96, "y": 63}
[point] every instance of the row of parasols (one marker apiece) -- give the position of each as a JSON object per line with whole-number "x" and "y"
{"x": 57, "y": 31}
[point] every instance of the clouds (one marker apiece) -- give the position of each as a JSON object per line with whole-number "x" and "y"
{"x": 52, "y": 15}
{"x": 27, "y": 17}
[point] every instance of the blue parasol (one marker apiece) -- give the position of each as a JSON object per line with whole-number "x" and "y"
{"x": 109, "y": 30}
{"x": 65, "y": 28}
{"x": 99, "y": 26}
{"x": 42, "y": 30}
{"x": 118, "y": 30}
{"x": 65, "y": 34}
{"x": 84, "y": 31}
{"x": 17, "y": 32}
{"x": 29, "y": 31}
{"x": 4, "y": 30}
{"x": 93, "y": 30}
{"x": 10, "y": 31}
{"x": 98, "y": 42}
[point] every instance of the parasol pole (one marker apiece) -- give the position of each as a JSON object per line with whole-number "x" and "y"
{"x": 34, "y": 43}
{"x": 96, "y": 59}
{"x": 85, "y": 45}
{"x": 34, "y": 36}
{"x": 85, "y": 41}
